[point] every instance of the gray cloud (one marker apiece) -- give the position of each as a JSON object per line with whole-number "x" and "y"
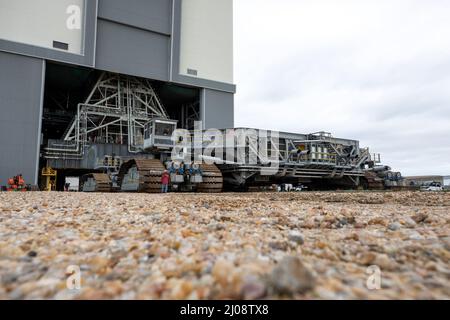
{"x": 376, "y": 71}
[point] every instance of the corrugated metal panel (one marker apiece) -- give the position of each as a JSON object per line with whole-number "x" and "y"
{"x": 154, "y": 15}
{"x": 21, "y": 80}
{"x": 132, "y": 51}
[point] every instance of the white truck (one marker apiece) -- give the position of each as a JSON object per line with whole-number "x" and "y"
{"x": 434, "y": 186}
{"x": 73, "y": 183}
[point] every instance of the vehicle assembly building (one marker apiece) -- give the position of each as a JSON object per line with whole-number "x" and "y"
{"x": 176, "y": 55}
{"x": 96, "y": 90}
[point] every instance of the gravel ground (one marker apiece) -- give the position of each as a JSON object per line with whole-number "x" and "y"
{"x": 241, "y": 246}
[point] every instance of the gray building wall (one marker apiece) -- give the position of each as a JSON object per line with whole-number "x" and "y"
{"x": 175, "y": 75}
{"x": 21, "y": 85}
{"x": 132, "y": 51}
{"x": 217, "y": 109}
{"x": 154, "y": 15}
{"x": 87, "y": 59}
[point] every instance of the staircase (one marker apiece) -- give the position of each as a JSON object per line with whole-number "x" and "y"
{"x": 363, "y": 157}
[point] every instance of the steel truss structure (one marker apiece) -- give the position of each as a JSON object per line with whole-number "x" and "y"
{"x": 115, "y": 111}
{"x": 124, "y": 110}
{"x": 292, "y": 156}
{"x": 189, "y": 114}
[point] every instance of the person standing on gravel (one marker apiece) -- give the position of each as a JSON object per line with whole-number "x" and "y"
{"x": 165, "y": 180}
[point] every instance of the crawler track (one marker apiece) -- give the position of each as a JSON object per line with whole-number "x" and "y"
{"x": 212, "y": 179}
{"x": 150, "y": 171}
{"x": 373, "y": 181}
{"x": 102, "y": 183}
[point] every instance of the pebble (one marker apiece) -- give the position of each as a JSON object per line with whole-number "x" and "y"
{"x": 394, "y": 226}
{"x": 420, "y": 217}
{"x": 229, "y": 246}
{"x": 409, "y": 222}
{"x": 384, "y": 262}
{"x": 367, "y": 258}
{"x": 415, "y": 236}
{"x": 360, "y": 225}
{"x": 214, "y": 226}
{"x": 290, "y": 276}
{"x": 253, "y": 288}
{"x": 32, "y": 254}
{"x": 222, "y": 271}
{"x": 296, "y": 236}
{"x": 279, "y": 245}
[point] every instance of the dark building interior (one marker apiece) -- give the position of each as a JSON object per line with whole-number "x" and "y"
{"x": 67, "y": 86}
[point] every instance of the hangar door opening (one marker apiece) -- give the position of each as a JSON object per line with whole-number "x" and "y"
{"x": 87, "y": 109}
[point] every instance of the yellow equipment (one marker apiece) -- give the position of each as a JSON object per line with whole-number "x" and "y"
{"x": 49, "y": 179}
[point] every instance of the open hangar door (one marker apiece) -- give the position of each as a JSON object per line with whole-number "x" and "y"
{"x": 67, "y": 88}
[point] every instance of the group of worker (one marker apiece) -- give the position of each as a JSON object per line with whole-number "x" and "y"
{"x": 181, "y": 170}
{"x": 17, "y": 183}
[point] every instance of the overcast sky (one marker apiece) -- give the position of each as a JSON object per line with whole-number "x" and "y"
{"x": 373, "y": 70}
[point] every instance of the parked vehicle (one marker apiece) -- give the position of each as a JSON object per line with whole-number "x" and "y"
{"x": 434, "y": 186}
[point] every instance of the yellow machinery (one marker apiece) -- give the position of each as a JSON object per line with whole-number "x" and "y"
{"x": 49, "y": 179}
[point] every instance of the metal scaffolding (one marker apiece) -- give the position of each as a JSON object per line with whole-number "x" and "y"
{"x": 189, "y": 114}
{"x": 115, "y": 111}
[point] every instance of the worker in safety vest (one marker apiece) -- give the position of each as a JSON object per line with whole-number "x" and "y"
{"x": 165, "y": 180}
{"x": 20, "y": 180}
